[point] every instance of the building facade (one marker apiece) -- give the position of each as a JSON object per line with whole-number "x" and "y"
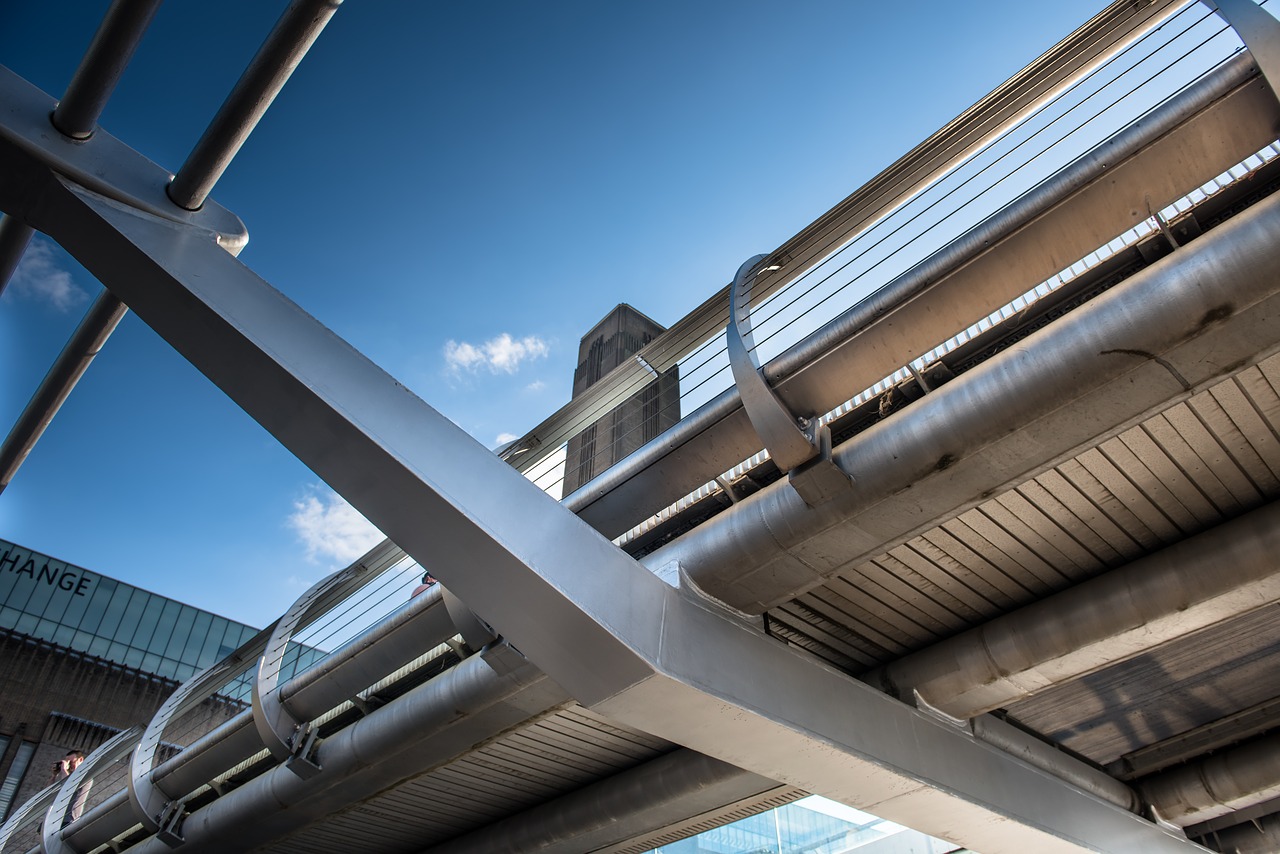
{"x": 83, "y": 656}
{"x": 619, "y": 336}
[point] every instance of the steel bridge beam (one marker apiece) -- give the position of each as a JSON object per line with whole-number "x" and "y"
{"x": 612, "y": 634}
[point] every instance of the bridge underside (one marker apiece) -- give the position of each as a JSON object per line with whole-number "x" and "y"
{"x": 1036, "y": 612}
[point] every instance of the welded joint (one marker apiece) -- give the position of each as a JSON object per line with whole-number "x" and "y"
{"x": 798, "y": 445}
{"x": 918, "y": 700}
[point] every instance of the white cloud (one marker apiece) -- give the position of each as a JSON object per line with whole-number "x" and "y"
{"x": 330, "y": 529}
{"x": 536, "y": 385}
{"x": 40, "y": 277}
{"x": 502, "y": 354}
{"x": 504, "y": 438}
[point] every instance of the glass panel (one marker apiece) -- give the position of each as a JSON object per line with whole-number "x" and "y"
{"x": 41, "y": 592}
{"x": 26, "y": 624}
{"x": 9, "y": 617}
{"x": 8, "y": 563}
{"x": 99, "y": 647}
{"x": 168, "y": 618}
{"x": 82, "y": 586}
{"x": 196, "y": 640}
{"x": 150, "y": 662}
{"x": 212, "y": 641}
{"x": 145, "y": 624}
{"x": 101, "y": 597}
{"x": 168, "y": 668}
{"x": 133, "y": 657}
{"x": 61, "y": 582}
{"x": 45, "y": 629}
{"x": 13, "y": 779}
{"x": 82, "y": 641}
{"x": 116, "y": 608}
{"x": 62, "y": 635}
{"x": 181, "y": 631}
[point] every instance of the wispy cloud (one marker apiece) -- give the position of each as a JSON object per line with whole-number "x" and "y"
{"x": 41, "y": 277}
{"x": 536, "y": 385}
{"x": 504, "y": 438}
{"x": 330, "y": 529}
{"x": 502, "y": 354}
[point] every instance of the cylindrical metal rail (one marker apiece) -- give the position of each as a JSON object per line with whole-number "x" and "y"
{"x": 110, "y": 51}
{"x": 253, "y": 93}
{"x": 15, "y": 235}
{"x": 98, "y": 324}
{"x": 1224, "y": 273}
{"x": 1216, "y": 575}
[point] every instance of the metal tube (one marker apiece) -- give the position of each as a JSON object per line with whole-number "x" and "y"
{"x": 392, "y": 743}
{"x": 814, "y": 376}
{"x": 1107, "y": 34}
{"x": 208, "y": 756}
{"x": 112, "y": 47}
{"x": 1219, "y": 784}
{"x": 85, "y": 343}
{"x": 15, "y": 235}
{"x": 1261, "y": 836}
{"x": 106, "y": 820}
{"x": 1187, "y": 295}
{"x": 412, "y": 629}
{"x": 1214, "y": 576}
{"x": 663, "y": 791}
{"x": 1046, "y": 757}
{"x": 262, "y": 80}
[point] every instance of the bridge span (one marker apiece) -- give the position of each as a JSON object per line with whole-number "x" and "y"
{"x": 990, "y": 552}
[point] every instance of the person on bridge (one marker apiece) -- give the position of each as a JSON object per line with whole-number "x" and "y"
{"x": 61, "y": 771}
{"x": 428, "y": 581}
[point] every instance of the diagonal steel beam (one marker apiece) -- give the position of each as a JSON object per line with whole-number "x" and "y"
{"x": 612, "y": 634}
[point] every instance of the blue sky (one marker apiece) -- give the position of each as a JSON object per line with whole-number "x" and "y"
{"x": 460, "y": 190}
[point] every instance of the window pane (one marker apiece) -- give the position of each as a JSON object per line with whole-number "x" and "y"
{"x": 168, "y": 618}
{"x": 195, "y": 641}
{"x": 145, "y": 625}
{"x": 115, "y": 611}
{"x": 103, "y": 591}
{"x": 181, "y": 631}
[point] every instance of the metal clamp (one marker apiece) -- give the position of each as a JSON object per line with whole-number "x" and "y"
{"x": 799, "y": 446}
{"x": 480, "y": 636}
{"x": 290, "y": 740}
{"x": 77, "y": 784}
{"x": 154, "y": 807}
{"x": 1260, "y": 32}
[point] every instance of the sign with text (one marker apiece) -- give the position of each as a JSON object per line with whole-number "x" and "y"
{"x": 25, "y": 573}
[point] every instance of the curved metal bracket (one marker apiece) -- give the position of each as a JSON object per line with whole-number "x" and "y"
{"x": 158, "y": 810}
{"x": 1260, "y": 32}
{"x": 799, "y": 446}
{"x": 39, "y": 802}
{"x": 789, "y": 440}
{"x": 76, "y": 786}
{"x": 290, "y": 740}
